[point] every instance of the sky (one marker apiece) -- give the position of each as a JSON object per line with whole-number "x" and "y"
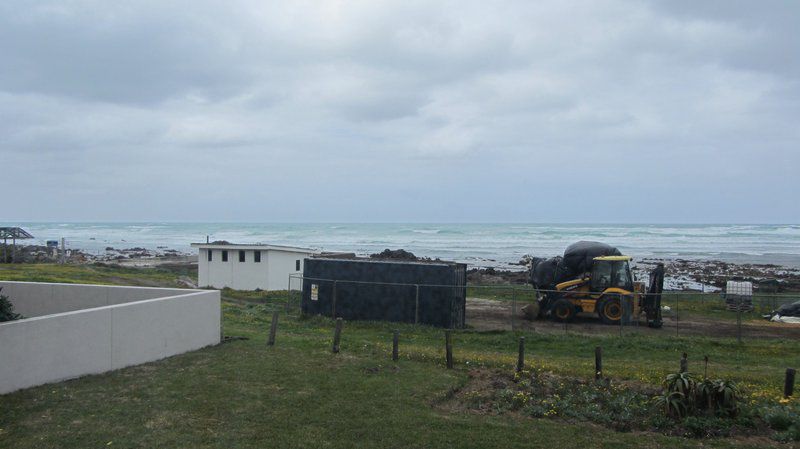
{"x": 400, "y": 111}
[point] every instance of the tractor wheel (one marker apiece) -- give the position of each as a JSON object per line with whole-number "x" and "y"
{"x": 562, "y": 311}
{"x": 610, "y": 309}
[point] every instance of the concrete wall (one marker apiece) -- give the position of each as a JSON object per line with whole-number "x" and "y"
{"x": 32, "y": 299}
{"x": 272, "y": 273}
{"x": 51, "y": 348}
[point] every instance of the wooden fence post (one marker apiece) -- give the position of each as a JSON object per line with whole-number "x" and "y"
{"x": 273, "y": 329}
{"x": 448, "y": 346}
{"x": 684, "y": 363}
{"x": 395, "y": 344}
{"x": 337, "y": 335}
{"x": 521, "y": 355}
{"x": 598, "y": 363}
{"x": 788, "y": 383}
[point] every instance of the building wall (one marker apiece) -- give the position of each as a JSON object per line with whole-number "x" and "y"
{"x": 282, "y": 264}
{"x": 51, "y": 348}
{"x": 272, "y": 273}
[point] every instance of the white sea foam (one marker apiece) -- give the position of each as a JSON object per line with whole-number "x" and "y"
{"x": 497, "y": 245}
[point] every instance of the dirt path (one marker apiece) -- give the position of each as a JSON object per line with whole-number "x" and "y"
{"x": 487, "y": 314}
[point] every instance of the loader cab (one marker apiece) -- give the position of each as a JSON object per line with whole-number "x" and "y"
{"x": 611, "y": 272}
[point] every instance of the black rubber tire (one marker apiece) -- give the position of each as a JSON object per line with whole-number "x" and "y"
{"x": 562, "y": 311}
{"x": 610, "y": 309}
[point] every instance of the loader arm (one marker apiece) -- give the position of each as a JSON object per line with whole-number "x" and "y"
{"x": 651, "y": 302}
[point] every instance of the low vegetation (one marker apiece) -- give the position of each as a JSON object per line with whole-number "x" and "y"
{"x": 7, "y": 309}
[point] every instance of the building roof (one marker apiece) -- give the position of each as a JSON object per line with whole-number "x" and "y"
{"x": 14, "y": 233}
{"x": 389, "y": 261}
{"x": 255, "y": 246}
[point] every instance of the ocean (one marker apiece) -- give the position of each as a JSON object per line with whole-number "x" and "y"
{"x": 483, "y": 245}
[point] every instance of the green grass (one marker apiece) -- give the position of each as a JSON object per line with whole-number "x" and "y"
{"x": 165, "y": 276}
{"x": 298, "y": 394}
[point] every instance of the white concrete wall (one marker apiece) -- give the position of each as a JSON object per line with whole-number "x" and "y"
{"x": 32, "y": 299}
{"x": 61, "y": 346}
{"x": 272, "y": 273}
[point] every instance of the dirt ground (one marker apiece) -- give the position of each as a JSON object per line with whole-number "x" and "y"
{"x": 487, "y": 314}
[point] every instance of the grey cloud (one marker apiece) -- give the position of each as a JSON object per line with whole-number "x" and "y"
{"x": 151, "y": 110}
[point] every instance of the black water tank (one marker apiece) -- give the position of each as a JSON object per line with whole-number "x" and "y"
{"x": 366, "y": 289}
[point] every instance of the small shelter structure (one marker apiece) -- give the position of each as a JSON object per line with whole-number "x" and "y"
{"x": 13, "y": 233}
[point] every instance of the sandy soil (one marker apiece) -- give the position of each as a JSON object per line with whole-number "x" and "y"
{"x": 487, "y": 314}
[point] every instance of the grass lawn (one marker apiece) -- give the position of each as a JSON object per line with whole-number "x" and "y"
{"x": 298, "y": 394}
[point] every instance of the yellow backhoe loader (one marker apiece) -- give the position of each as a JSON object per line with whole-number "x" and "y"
{"x": 582, "y": 282}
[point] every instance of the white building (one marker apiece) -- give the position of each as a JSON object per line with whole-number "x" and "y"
{"x": 248, "y": 267}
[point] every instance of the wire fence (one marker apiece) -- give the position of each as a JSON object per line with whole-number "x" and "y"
{"x": 516, "y": 307}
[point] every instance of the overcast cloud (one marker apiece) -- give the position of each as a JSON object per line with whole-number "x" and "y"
{"x": 601, "y": 111}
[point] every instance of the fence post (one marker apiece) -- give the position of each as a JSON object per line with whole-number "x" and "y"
{"x": 598, "y": 363}
{"x": 337, "y": 335}
{"x": 333, "y": 301}
{"x": 395, "y": 344}
{"x": 416, "y": 306}
{"x": 788, "y": 383}
{"x": 521, "y": 355}
{"x": 448, "y": 346}
{"x": 273, "y": 329}
{"x": 677, "y": 326}
{"x": 684, "y": 363}
{"x": 705, "y": 369}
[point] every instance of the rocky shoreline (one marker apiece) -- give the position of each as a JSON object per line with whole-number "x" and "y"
{"x": 44, "y": 254}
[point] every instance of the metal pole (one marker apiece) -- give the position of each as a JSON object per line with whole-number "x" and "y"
{"x": 288, "y": 294}
{"x": 598, "y": 363}
{"x": 739, "y": 319}
{"x": 677, "y": 327}
{"x": 513, "y": 307}
{"x": 416, "y": 306}
{"x": 395, "y": 344}
{"x": 448, "y": 346}
{"x": 521, "y": 355}
{"x": 333, "y": 301}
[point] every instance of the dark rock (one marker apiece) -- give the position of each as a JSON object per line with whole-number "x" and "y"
{"x": 397, "y": 254}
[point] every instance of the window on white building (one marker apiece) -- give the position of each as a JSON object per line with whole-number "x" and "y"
{"x": 209, "y": 254}
{"x": 256, "y": 256}
{"x": 241, "y": 256}
{"x": 297, "y": 265}
{"x": 224, "y": 255}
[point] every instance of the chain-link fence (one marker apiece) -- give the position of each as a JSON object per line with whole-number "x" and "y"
{"x": 517, "y": 308}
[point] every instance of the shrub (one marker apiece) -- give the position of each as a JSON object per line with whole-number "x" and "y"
{"x": 7, "y": 309}
{"x": 791, "y": 434}
{"x": 780, "y": 418}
